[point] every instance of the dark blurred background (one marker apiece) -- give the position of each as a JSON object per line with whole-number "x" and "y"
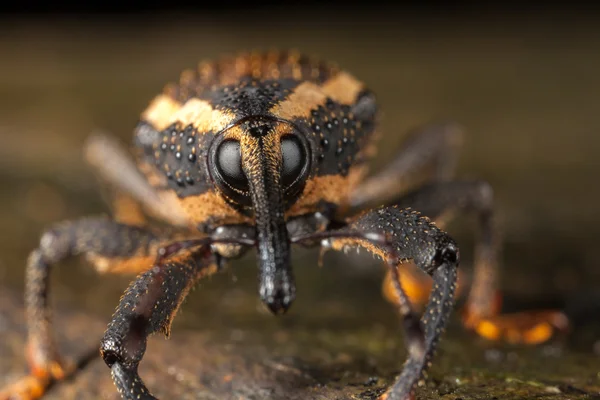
{"x": 524, "y": 80}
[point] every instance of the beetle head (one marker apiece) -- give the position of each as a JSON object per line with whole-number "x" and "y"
{"x": 261, "y": 166}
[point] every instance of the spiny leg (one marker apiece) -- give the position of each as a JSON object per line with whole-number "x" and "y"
{"x": 413, "y": 333}
{"x": 408, "y": 235}
{"x": 428, "y": 153}
{"x": 431, "y": 146}
{"x": 112, "y": 247}
{"x": 416, "y": 285}
{"x": 148, "y": 306}
{"x": 441, "y": 201}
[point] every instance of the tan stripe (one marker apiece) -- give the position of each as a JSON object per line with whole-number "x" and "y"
{"x": 164, "y": 111}
{"x": 203, "y": 116}
{"x": 305, "y": 97}
{"x": 343, "y": 88}
{"x": 160, "y": 112}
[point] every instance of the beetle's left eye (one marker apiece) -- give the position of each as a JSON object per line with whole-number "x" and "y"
{"x": 229, "y": 165}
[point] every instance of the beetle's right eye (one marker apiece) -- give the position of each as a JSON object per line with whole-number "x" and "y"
{"x": 229, "y": 165}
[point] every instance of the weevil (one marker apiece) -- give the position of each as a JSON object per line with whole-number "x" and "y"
{"x": 265, "y": 150}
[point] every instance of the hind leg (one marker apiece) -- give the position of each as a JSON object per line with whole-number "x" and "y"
{"x": 482, "y": 312}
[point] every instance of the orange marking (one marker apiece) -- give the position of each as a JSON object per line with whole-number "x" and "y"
{"x": 384, "y": 396}
{"x": 53, "y": 370}
{"x": 300, "y": 102}
{"x": 416, "y": 284}
{"x": 538, "y": 334}
{"x": 471, "y": 316}
{"x": 202, "y": 116}
{"x": 488, "y": 330}
{"x": 307, "y": 96}
{"x": 343, "y": 88}
{"x": 164, "y": 111}
{"x": 34, "y": 385}
{"x": 524, "y": 327}
{"x": 57, "y": 371}
{"x": 26, "y": 388}
{"x": 416, "y": 287}
{"x": 127, "y": 210}
{"x": 160, "y": 111}
{"x": 36, "y": 361}
{"x": 207, "y": 206}
{"x": 122, "y": 265}
{"x": 331, "y": 188}
{"x": 36, "y": 388}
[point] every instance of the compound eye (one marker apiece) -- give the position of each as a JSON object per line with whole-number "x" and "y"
{"x": 229, "y": 165}
{"x": 294, "y": 160}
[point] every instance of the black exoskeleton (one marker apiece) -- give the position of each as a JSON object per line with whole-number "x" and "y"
{"x": 267, "y": 150}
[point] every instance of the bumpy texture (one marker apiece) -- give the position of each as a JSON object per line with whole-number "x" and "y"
{"x": 332, "y": 110}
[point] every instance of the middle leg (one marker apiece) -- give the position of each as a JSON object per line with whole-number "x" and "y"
{"x": 111, "y": 247}
{"x": 440, "y": 201}
{"x": 431, "y": 150}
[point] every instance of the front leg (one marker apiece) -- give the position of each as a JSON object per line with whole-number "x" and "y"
{"x": 111, "y": 247}
{"x": 148, "y": 306}
{"x": 399, "y": 234}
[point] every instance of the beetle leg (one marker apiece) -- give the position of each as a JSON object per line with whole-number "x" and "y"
{"x": 430, "y": 146}
{"x": 417, "y": 285}
{"x": 115, "y": 166}
{"x": 148, "y": 306}
{"x": 408, "y": 235}
{"x": 112, "y": 247}
{"x": 126, "y": 209}
{"x": 440, "y": 201}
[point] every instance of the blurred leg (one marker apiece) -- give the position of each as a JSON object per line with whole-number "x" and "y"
{"x": 432, "y": 146}
{"x": 112, "y": 247}
{"x": 482, "y": 312}
{"x": 115, "y": 166}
